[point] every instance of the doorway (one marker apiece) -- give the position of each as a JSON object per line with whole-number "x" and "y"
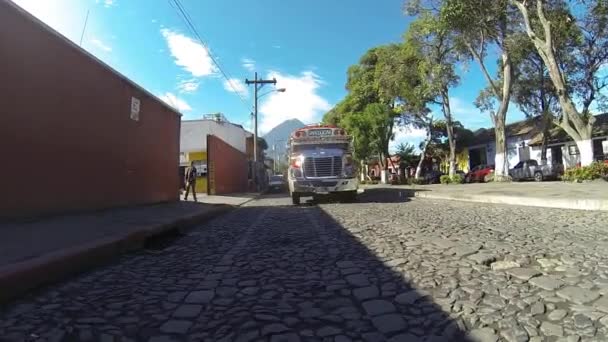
{"x": 557, "y": 157}
{"x": 477, "y": 156}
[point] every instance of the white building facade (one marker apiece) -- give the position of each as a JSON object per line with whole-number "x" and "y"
{"x": 194, "y": 132}
{"x": 524, "y": 142}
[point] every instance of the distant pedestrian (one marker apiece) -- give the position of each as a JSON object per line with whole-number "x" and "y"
{"x": 190, "y": 181}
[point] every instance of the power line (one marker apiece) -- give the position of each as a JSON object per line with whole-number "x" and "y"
{"x": 188, "y": 21}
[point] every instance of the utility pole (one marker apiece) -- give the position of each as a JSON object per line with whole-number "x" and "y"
{"x": 258, "y": 84}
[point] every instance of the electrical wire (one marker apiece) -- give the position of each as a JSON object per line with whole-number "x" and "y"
{"x": 179, "y": 7}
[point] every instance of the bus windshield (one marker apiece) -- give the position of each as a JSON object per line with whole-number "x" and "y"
{"x": 302, "y": 148}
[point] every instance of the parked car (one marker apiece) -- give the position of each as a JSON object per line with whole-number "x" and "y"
{"x": 432, "y": 177}
{"x": 480, "y": 173}
{"x": 276, "y": 183}
{"x": 393, "y": 178}
{"x": 529, "y": 169}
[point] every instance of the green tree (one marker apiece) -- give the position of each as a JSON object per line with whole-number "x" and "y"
{"x": 407, "y": 154}
{"x": 378, "y": 87}
{"x": 533, "y": 91}
{"x": 433, "y": 39}
{"x": 545, "y": 22}
{"x": 439, "y": 147}
{"x": 479, "y": 26}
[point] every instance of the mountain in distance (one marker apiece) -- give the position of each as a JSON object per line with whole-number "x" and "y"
{"x": 278, "y": 137}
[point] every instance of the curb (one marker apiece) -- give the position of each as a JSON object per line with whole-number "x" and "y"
{"x": 18, "y": 278}
{"x": 561, "y": 203}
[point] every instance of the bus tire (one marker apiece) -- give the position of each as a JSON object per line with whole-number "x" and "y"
{"x": 295, "y": 198}
{"x": 349, "y": 196}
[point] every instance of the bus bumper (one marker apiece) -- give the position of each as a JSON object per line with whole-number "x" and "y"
{"x": 323, "y": 187}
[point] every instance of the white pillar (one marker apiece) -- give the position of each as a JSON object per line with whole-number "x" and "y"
{"x": 585, "y": 148}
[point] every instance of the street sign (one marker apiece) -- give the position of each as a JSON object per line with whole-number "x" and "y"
{"x": 605, "y": 146}
{"x": 319, "y": 132}
{"x": 135, "y": 104}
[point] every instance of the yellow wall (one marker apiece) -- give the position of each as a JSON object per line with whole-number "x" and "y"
{"x": 462, "y": 162}
{"x": 201, "y": 182}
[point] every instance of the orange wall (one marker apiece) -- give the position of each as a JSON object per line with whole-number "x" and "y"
{"x": 67, "y": 141}
{"x": 228, "y": 167}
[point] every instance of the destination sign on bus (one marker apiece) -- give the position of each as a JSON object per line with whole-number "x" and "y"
{"x": 319, "y": 132}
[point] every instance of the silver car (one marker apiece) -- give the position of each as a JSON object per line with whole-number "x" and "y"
{"x": 276, "y": 183}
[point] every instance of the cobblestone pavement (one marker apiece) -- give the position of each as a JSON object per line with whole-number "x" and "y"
{"x": 378, "y": 270}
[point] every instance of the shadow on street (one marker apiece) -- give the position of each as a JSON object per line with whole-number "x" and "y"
{"x": 260, "y": 273}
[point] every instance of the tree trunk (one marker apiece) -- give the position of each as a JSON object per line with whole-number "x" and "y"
{"x": 545, "y": 130}
{"x": 367, "y": 173}
{"x": 419, "y": 167}
{"x": 453, "y": 162}
{"x": 383, "y": 168}
{"x": 363, "y": 171}
{"x": 575, "y": 125}
{"x": 423, "y": 153}
{"x": 585, "y": 148}
{"x": 503, "y": 94}
{"x": 543, "y": 151}
{"x": 447, "y": 113}
{"x": 501, "y": 164}
{"x": 501, "y": 168}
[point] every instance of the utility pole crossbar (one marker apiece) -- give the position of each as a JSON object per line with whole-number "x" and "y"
{"x": 257, "y": 83}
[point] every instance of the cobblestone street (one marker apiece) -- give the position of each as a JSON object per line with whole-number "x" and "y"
{"x": 386, "y": 268}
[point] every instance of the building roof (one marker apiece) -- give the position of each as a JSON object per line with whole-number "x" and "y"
{"x": 531, "y": 127}
{"x": 557, "y": 134}
{"x": 523, "y": 127}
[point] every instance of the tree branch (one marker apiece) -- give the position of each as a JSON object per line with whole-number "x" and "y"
{"x": 546, "y": 24}
{"x": 526, "y": 16}
{"x": 485, "y": 71}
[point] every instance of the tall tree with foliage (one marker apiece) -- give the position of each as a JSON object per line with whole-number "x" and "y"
{"x": 544, "y": 21}
{"x": 533, "y": 91}
{"x": 368, "y": 116}
{"x": 374, "y": 105}
{"x": 407, "y": 153}
{"x": 480, "y": 26}
{"x": 436, "y": 42}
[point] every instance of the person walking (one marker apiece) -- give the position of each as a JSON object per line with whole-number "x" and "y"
{"x": 190, "y": 181}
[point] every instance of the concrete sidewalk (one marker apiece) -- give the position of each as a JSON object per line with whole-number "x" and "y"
{"x": 45, "y": 250}
{"x": 232, "y": 199}
{"x": 581, "y": 196}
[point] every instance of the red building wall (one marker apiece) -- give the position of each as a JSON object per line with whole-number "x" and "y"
{"x": 67, "y": 141}
{"x": 227, "y": 167}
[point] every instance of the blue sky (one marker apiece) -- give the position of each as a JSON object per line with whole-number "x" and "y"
{"x": 306, "y": 45}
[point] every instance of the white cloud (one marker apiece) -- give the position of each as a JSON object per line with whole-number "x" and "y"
{"x": 300, "y": 101}
{"x": 276, "y": 46}
{"x": 189, "y": 54}
{"x": 469, "y": 115}
{"x": 407, "y": 134}
{"x": 248, "y": 64}
{"x": 460, "y": 107}
{"x": 235, "y": 85}
{"x": 101, "y": 45}
{"x": 176, "y": 102}
{"x": 188, "y": 86}
{"x": 107, "y": 3}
